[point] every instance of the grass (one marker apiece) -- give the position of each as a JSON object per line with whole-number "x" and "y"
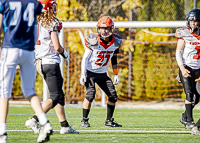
{"x": 133, "y": 121}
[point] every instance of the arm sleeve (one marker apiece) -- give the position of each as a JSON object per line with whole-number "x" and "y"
{"x": 114, "y": 59}
{"x": 85, "y": 59}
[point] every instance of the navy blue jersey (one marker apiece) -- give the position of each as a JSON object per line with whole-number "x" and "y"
{"x": 19, "y": 17}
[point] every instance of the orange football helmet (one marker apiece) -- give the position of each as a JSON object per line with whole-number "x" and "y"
{"x": 49, "y": 4}
{"x": 105, "y": 21}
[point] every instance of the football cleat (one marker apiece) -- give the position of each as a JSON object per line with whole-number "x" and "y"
{"x": 3, "y": 138}
{"x": 45, "y": 131}
{"x": 189, "y": 125}
{"x": 84, "y": 123}
{"x": 111, "y": 123}
{"x": 195, "y": 131}
{"x": 183, "y": 120}
{"x": 68, "y": 130}
{"x": 32, "y": 124}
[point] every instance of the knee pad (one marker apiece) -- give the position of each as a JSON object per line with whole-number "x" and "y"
{"x": 56, "y": 99}
{"x": 90, "y": 94}
{"x": 195, "y": 99}
{"x": 90, "y": 98}
{"x": 198, "y": 86}
{"x": 62, "y": 100}
{"x": 113, "y": 99}
{"x": 189, "y": 97}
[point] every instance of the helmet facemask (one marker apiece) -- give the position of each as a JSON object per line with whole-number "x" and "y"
{"x": 194, "y": 27}
{"x": 52, "y": 7}
{"x": 107, "y": 23}
{"x": 105, "y": 34}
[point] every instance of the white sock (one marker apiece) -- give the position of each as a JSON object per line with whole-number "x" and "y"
{"x": 42, "y": 118}
{"x": 3, "y": 128}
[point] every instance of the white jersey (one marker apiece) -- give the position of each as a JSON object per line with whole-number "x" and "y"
{"x": 191, "y": 49}
{"x": 44, "y": 48}
{"x": 101, "y": 54}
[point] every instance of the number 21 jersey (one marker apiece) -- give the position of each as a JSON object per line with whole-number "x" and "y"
{"x": 101, "y": 53}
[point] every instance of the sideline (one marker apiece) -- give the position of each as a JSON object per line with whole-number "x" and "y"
{"x": 122, "y": 131}
{"x": 132, "y": 105}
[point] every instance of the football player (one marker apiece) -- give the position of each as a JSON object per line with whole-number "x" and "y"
{"x": 102, "y": 47}
{"x": 187, "y": 57}
{"x": 47, "y": 57}
{"x": 20, "y": 34}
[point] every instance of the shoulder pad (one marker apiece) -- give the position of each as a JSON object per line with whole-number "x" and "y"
{"x": 57, "y": 25}
{"x": 118, "y": 39}
{"x": 182, "y": 32}
{"x": 92, "y": 38}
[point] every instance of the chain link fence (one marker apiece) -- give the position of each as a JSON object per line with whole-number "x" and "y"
{"x": 146, "y": 73}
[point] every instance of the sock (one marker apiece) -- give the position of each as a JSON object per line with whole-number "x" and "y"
{"x": 42, "y": 118}
{"x": 64, "y": 124}
{"x": 86, "y": 113}
{"x": 3, "y": 127}
{"x": 36, "y": 118}
{"x": 184, "y": 115}
{"x": 110, "y": 111}
{"x": 189, "y": 112}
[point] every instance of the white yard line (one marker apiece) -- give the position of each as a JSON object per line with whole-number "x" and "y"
{"x": 122, "y": 131}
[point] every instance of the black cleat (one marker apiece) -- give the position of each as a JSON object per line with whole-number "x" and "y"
{"x": 189, "y": 125}
{"x": 183, "y": 120}
{"x": 111, "y": 123}
{"x": 84, "y": 123}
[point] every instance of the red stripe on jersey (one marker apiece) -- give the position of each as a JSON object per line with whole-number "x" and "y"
{"x": 106, "y": 45}
{"x": 195, "y": 35}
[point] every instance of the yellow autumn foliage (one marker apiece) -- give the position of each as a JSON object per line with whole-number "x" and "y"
{"x": 131, "y": 4}
{"x": 73, "y": 11}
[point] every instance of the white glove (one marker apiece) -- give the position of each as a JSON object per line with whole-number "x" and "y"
{"x": 82, "y": 79}
{"x": 116, "y": 79}
{"x": 65, "y": 56}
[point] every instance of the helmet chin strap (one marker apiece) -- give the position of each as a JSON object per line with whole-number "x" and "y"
{"x": 194, "y": 28}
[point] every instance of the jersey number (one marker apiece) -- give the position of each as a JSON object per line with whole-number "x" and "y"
{"x": 198, "y": 52}
{"x": 28, "y": 14}
{"x": 101, "y": 57}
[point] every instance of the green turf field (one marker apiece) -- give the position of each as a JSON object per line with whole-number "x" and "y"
{"x": 139, "y": 125}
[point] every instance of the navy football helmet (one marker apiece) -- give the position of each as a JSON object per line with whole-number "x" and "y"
{"x": 193, "y": 14}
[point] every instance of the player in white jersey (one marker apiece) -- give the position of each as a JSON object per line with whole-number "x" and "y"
{"x": 20, "y": 34}
{"x": 47, "y": 52}
{"x": 187, "y": 56}
{"x": 102, "y": 47}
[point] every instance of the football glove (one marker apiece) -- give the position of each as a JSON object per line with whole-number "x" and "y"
{"x": 82, "y": 79}
{"x": 65, "y": 56}
{"x": 116, "y": 79}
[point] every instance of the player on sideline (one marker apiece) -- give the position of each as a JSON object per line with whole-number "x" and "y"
{"x": 47, "y": 52}
{"x": 20, "y": 30}
{"x": 187, "y": 57}
{"x": 101, "y": 48}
